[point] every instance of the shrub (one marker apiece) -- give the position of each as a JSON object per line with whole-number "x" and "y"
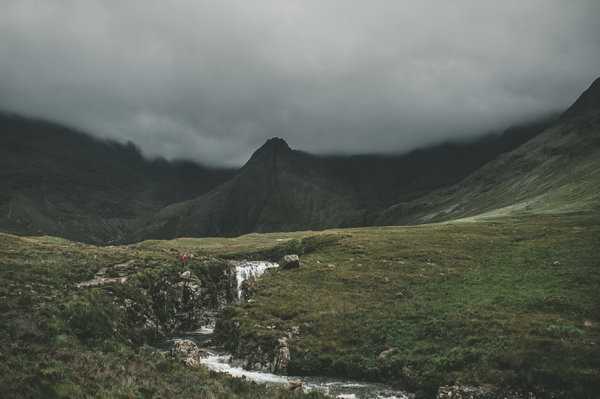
{"x": 91, "y": 316}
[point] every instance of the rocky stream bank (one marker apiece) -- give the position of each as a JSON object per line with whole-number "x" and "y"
{"x": 179, "y": 309}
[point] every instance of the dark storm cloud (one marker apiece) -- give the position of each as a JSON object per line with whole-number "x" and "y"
{"x": 211, "y": 80}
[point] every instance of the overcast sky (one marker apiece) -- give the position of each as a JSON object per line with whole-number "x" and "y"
{"x": 212, "y": 80}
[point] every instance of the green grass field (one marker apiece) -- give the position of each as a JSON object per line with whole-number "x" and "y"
{"x": 509, "y": 302}
{"x": 505, "y": 301}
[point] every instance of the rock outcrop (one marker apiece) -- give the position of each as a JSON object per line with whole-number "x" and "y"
{"x": 116, "y": 274}
{"x": 187, "y": 351}
{"x": 281, "y": 359}
{"x": 160, "y": 299}
{"x": 289, "y": 262}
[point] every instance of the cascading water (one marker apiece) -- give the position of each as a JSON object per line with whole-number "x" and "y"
{"x": 221, "y": 362}
{"x": 216, "y": 360}
{"x": 246, "y": 270}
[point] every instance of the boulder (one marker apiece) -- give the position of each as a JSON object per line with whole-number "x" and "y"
{"x": 294, "y": 385}
{"x": 187, "y": 351}
{"x": 186, "y": 275}
{"x": 289, "y": 262}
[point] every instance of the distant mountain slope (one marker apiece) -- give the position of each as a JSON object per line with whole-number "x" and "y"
{"x": 61, "y": 182}
{"x": 278, "y": 189}
{"x": 380, "y": 181}
{"x": 56, "y": 180}
{"x": 281, "y": 189}
{"x": 559, "y": 170}
{"x": 587, "y": 103}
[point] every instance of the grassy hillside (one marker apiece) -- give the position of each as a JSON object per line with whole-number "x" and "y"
{"x": 59, "y": 181}
{"x": 58, "y": 341}
{"x": 510, "y": 302}
{"x": 558, "y": 170}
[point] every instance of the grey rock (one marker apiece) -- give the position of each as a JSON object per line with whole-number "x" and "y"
{"x": 186, "y": 275}
{"x": 295, "y": 385}
{"x": 289, "y": 262}
{"x": 187, "y": 351}
{"x": 98, "y": 281}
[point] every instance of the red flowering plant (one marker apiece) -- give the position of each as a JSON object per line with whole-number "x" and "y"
{"x": 184, "y": 259}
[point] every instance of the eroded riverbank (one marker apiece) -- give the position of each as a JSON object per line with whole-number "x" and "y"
{"x": 214, "y": 359}
{"x": 197, "y": 348}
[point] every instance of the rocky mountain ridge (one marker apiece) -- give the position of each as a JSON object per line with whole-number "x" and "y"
{"x": 59, "y": 181}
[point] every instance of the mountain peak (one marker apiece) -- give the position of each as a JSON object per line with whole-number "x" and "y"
{"x": 589, "y": 101}
{"x": 276, "y": 144}
{"x": 273, "y": 148}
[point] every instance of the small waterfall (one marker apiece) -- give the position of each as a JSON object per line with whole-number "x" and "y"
{"x": 199, "y": 349}
{"x": 246, "y": 270}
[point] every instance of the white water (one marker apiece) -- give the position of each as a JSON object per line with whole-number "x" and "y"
{"x": 220, "y": 363}
{"x": 245, "y": 270}
{"x": 204, "y": 330}
{"x": 336, "y": 389}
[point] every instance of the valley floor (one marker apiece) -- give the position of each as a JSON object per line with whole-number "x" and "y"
{"x": 507, "y": 302}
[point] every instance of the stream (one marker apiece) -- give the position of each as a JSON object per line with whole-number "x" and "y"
{"x": 215, "y": 359}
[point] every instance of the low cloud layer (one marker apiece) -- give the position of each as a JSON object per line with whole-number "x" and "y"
{"x": 211, "y": 80}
